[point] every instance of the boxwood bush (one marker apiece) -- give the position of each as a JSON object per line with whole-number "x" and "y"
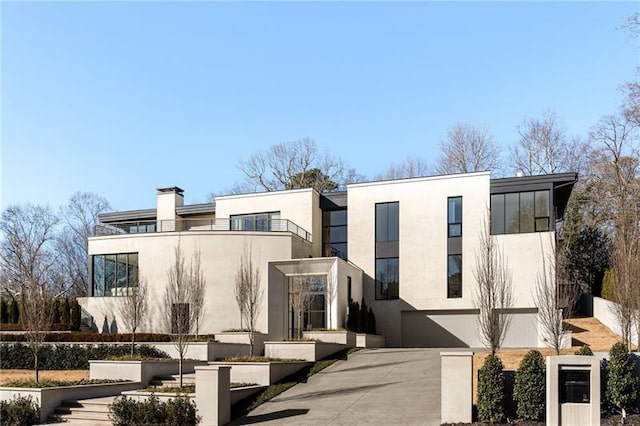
{"x": 67, "y": 357}
{"x": 19, "y": 411}
{"x": 177, "y": 411}
{"x": 530, "y": 387}
{"x": 491, "y": 391}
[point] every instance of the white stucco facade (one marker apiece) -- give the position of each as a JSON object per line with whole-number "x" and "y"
{"x": 288, "y": 231}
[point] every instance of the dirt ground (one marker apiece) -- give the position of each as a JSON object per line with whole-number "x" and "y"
{"x": 586, "y": 331}
{"x": 10, "y": 375}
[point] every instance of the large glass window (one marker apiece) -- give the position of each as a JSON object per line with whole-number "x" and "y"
{"x": 454, "y": 276}
{"x": 314, "y": 312}
{"x": 387, "y": 251}
{"x": 257, "y": 222}
{"x": 454, "y": 215}
{"x": 520, "y": 212}
{"x": 387, "y": 278}
{"x": 387, "y": 223}
{"x": 334, "y": 233}
{"x": 114, "y": 274}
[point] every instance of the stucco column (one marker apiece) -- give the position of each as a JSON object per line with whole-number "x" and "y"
{"x": 456, "y": 374}
{"x": 213, "y": 395}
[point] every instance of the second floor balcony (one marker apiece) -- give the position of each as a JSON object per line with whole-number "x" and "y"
{"x": 186, "y": 225}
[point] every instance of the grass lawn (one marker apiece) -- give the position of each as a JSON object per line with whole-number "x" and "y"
{"x": 59, "y": 375}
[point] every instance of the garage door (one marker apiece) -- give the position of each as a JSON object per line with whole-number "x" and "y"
{"x": 439, "y": 329}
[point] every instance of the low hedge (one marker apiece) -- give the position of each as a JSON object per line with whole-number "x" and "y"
{"x": 89, "y": 337}
{"x": 20, "y": 327}
{"x": 67, "y": 357}
{"x": 179, "y": 411}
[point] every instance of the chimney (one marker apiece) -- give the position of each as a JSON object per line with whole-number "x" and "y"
{"x": 167, "y": 200}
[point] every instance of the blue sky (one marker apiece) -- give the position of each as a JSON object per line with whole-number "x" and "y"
{"x": 119, "y": 98}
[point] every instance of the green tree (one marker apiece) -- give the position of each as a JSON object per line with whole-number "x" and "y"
{"x": 491, "y": 390}
{"x": 65, "y": 309}
{"x": 607, "y": 284}
{"x": 4, "y": 314}
{"x": 622, "y": 384}
{"x": 529, "y": 387}
{"x": 584, "y": 350}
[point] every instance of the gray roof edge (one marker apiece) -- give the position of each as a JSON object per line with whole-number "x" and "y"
{"x": 127, "y": 215}
{"x": 196, "y": 209}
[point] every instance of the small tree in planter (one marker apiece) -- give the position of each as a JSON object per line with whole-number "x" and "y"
{"x": 248, "y": 294}
{"x": 584, "y": 350}
{"x": 622, "y": 384}
{"x": 529, "y": 387}
{"x": 299, "y": 298}
{"x": 491, "y": 390}
{"x": 133, "y": 308}
{"x": 184, "y": 299}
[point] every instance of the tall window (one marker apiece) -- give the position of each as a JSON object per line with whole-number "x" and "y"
{"x": 454, "y": 276}
{"x": 114, "y": 274}
{"x": 314, "y": 313}
{"x": 454, "y": 215}
{"x": 256, "y": 222}
{"x": 334, "y": 233}
{"x": 520, "y": 212}
{"x": 387, "y": 252}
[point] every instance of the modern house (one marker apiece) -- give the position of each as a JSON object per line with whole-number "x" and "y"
{"x": 407, "y": 246}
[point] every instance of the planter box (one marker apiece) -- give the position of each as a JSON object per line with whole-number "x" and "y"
{"x": 50, "y": 398}
{"x": 262, "y": 373}
{"x": 237, "y": 394}
{"x": 369, "y": 340}
{"x": 342, "y": 337}
{"x": 307, "y": 351}
{"x": 138, "y": 395}
{"x": 242, "y": 337}
{"x": 205, "y": 351}
{"x": 138, "y": 371}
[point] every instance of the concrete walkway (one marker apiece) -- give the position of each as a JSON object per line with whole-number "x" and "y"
{"x": 373, "y": 387}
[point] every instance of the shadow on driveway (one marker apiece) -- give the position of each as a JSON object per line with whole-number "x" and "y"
{"x": 276, "y": 415}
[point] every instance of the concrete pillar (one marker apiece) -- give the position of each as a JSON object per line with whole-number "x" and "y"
{"x": 456, "y": 384}
{"x": 213, "y": 394}
{"x": 573, "y": 413}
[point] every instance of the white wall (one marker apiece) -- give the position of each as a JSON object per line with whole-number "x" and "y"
{"x": 220, "y": 254}
{"x": 301, "y": 206}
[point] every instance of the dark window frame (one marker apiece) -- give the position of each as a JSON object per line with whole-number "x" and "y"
{"x": 454, "y": 224}
{"x": 450, "y": 293}
{"x": 124, "y": 275}
{"x": 541, "y": 222}
{"x": 392, "y": 291}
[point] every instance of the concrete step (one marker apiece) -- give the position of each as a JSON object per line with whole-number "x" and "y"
{"x": 92, "y": 411}
{"x": 173, "y": 380}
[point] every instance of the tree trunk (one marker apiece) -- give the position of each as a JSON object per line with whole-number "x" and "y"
{"x": 133, "y": 343}
{"x": 35, "y": 356}
{"x": 180, "y": 369}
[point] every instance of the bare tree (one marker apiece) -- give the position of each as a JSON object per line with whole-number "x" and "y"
{"x": 26, "y": 249}
{"x": 290, "y": 165}
{"x": 248, "y": 292}
{"x": 408, "y": 168}
{"x": 545, "y": 148}
{"x": 36, "y": 316}
{"x": 79, "y": 216}
{"x": 555, "y": 295}
{"x": 299, "y": 298}
{"x": 133, "y": 308}
{"x": 494, "y": 291}
{"x": 468, "y": 149}
{"x": 27, "y": 261}
{"x": 184, "y": 297}
{"x": 331, "y": 292}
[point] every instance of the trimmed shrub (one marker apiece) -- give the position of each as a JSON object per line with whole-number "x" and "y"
{"x": 65, "y": 309}
{"x": 372, "y": 322}
{"x": 76, "y": 315}
{"x": 177, "y": 411}
{"x": 584, "y": 350}
{"x": 55, "y": 310}
{"x": 529, "y": 387}
{"x": 67, "y": 357}
{"x": 353, "y": 321}
{"x": 13, "y": 311}
{"x": 96, "y": 337}
{"x": 607, "y": 284}
{"x": 491, "y": 391}
{"x": 4, "y": 314}
{"x": 19, "y": 411}
{"x": 622, "y": 384}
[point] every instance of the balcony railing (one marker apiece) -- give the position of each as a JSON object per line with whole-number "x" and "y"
{"x": 240, "y": 224}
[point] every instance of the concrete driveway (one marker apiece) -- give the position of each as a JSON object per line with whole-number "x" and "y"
{"x": 390, "y": 386}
